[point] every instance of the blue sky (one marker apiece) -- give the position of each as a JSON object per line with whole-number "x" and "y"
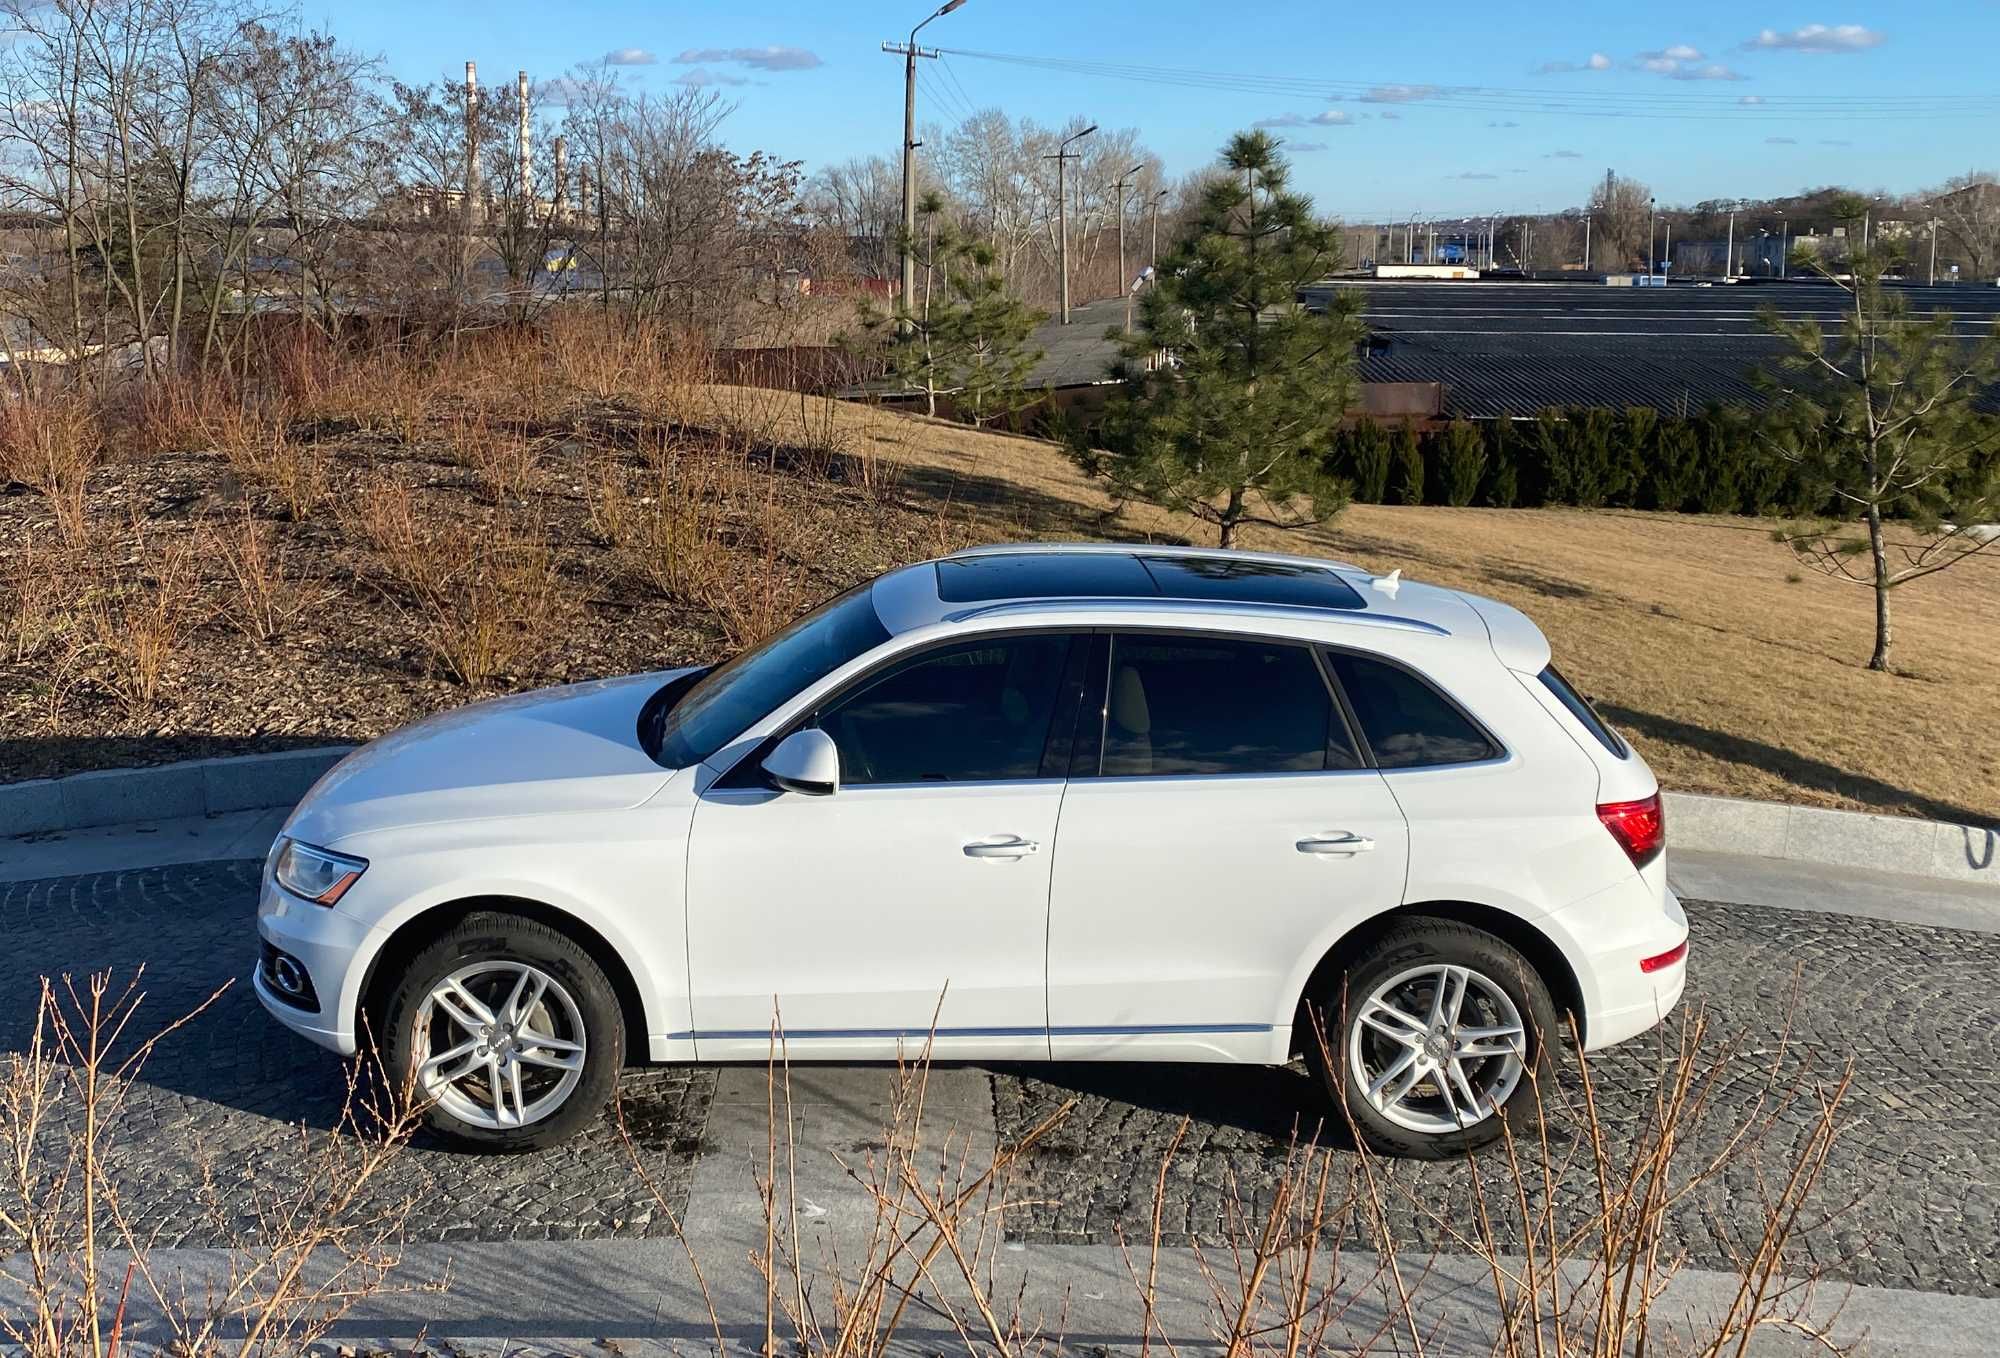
{"x": 1430, "y": 118}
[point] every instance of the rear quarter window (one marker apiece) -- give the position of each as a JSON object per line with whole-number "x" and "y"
{"x": 1580, "y": 708}
{"x": 1409, "y": 724}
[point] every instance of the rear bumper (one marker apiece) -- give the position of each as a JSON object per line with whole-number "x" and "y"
{"x": 1607, "y": 937}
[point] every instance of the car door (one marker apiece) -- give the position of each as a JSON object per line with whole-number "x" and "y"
{"x": 916, "y": 893}
{"x": 1225, "y": 828}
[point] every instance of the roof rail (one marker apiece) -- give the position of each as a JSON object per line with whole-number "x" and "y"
{"x": 1124, "y": 603}
{"x": 1147, "y": 549}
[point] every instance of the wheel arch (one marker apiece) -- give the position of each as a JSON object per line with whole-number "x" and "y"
{"x": 1544, "y": 954}
{"x": 413, "y": 935}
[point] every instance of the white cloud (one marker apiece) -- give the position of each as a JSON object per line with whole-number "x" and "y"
{"x": 630, "y": 56}
{"x": 1714, "y": 70}
{"x": 1389, "y": 113}
{"x": 776, "y": 57}
{"x": 1596, "y": 61}
{"x": 1472, "y": 174}
{"x": 1304, "y": 146}
{"x": 1816, "y": 38}
{"x": 1751, "y": 99}
{"x": 1563, "y": 155}
{"x": 1833, "y": 141}
{"x": 1503, "y": 124}
{"x": 1781, "y": 141}
{"x": 1400, "y": 94}
{"x": 701, "y": 77}
{"x": 1333, "y": 117}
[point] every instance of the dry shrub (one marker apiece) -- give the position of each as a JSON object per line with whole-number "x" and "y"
{"x": 195, "y": 408}
{"x": 52, "y": 443}
{"x": 43, "y": 588}
{"x": 486, "y": 597}
{"x": 660, "y": 530}
{"x": 138, "y": 627}
{"x": 294, "y": 469}
{"x": 322, "y": 1249}
{"x": 266, "y": 594}
{"x": 503, "y": 459}
{"x": 611, "y": 358}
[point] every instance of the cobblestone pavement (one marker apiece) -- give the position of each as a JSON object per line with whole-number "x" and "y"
{"x": 219, "y": 1107}
{"x": 1916, "y": 1172}
{"x": 215, "y": 1118}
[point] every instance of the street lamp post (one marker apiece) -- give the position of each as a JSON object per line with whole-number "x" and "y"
{"x": 1729, "y": 250}
{"x": 1784, "y": 249}
{"x": 1123, "y": 285}
{"x": 910, "y": 55}
{"x": 1586, "y": 242}
{"x": 1154, "y": 260}
{"x": 1652, "y": 238}
{"x": 1062, "y": 157}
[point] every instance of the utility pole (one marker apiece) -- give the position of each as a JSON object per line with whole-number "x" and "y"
{"x": 1586, "y": 242}
{"x": 521, "y": 144}
{"x": 1669, "y": 260}
{"x": 1062, "y": 156}
{"x": 1784, "y": 249}
{"x": 909, "y": 51}
{"x": 1124, "y": 282}
{"x": 1934, "y": 231}
{"x": 1154, "y": 261}
{"x": 1652, "y": 238}
{"x": 1729, "y": 250}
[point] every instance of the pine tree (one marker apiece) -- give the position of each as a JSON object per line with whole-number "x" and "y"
{"x": 963, "y": 335}
{"x": 1409, "y": 466}
{"x": 1882, "y": 417}
{"x": 1235, "y": 426}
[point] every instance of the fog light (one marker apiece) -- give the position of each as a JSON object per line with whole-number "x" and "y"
{"x": 286, "y": 976}
{"x": 287, "y": 979}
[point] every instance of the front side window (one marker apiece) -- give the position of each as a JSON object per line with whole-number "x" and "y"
{"x": 1200, "y": 705}
{"x": 1408, "y": 723}
{"x": 749, "y": 688}
{"x": 975, "y": 712}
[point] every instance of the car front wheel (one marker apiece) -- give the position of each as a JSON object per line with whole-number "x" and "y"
{"x": 1442, "y": 1030}
{"x": 511, "y": 1031}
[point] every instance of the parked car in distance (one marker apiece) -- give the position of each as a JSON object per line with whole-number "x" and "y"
{"x": 1047, "y": 803}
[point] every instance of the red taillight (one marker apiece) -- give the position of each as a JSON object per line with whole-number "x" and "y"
{"x": 1639, "y": 827}
{"x": 1665, "y": 959}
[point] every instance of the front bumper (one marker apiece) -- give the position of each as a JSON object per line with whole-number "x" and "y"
{"x": 329, "y": 946}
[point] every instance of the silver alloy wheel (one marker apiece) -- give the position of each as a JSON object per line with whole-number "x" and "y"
{"x": 1437, "y": 1048}
{"x": 501, "y": 1044}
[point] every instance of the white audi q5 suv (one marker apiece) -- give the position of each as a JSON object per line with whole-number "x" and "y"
{"x": 1048, "y": 803}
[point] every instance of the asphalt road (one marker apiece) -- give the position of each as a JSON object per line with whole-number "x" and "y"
{"x": 1912, "y": 1184}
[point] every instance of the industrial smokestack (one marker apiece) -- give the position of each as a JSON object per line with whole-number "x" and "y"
{"x": 561, "y": 196}
{"x": 471, "y": 145}
{"x": 527, "y": 178}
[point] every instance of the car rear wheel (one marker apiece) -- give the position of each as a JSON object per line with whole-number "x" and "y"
{"x": 1442, "y": 1030}
{"x": 512, "y": 1032}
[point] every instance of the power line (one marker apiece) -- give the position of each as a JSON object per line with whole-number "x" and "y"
{"x": 1526, "y": 101}
{"x": 952, "y": 75}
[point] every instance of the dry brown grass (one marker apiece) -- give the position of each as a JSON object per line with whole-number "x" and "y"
{"x": 52, "y": 444}
{"x": 1729, "y": 675}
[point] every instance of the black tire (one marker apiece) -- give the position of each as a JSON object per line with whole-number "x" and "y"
{"x": 1407, "y": 946}
{"x": 495, "y": 937}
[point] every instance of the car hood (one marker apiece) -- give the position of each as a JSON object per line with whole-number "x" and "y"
{"x": 555, "y": 750}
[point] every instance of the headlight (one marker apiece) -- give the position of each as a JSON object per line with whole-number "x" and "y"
{"x": 319, "y": 875}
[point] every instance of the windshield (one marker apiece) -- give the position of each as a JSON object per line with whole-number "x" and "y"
{"x": 731, "y": 699}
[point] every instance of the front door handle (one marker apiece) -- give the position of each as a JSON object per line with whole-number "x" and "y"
{"x": 1002, "y": 846}
{"x": 1344, "y": 843}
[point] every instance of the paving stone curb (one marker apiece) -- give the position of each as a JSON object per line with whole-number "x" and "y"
{"x": 195, "y": 787}
{"x": 1808, "y": 834}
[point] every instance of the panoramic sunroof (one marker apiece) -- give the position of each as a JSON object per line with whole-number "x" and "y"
{"x": 1113, "y": 575}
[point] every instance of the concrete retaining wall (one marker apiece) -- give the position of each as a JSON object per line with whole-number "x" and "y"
{"x": 206, "y": 787}
{"x": 196, "y": 787}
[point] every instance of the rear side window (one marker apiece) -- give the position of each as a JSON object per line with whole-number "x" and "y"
{"x": 1407, "y": 722}
{"x": 1201, "y": 705}
{"x": 1580, "y": 708}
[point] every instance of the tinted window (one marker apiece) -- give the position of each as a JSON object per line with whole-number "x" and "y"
{"x": 1180, "y": 705}
{"x": 733, "y": 698}
{"x": 1042, "y": 575}
{"x": 1408, "y": 723}
{"x": 1580, "y": 708}
{"x": 969, "y": 713}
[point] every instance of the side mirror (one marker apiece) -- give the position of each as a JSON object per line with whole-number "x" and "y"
{"x": 806, "y": 762}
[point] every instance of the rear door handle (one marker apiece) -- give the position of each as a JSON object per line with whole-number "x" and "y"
{"x": 1002, "y": 846}
{"x": 1334, "y": 845}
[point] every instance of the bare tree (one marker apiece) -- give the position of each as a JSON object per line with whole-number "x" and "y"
{"x": 1618, "y": 211}
{"x": 1967, "y": 210}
